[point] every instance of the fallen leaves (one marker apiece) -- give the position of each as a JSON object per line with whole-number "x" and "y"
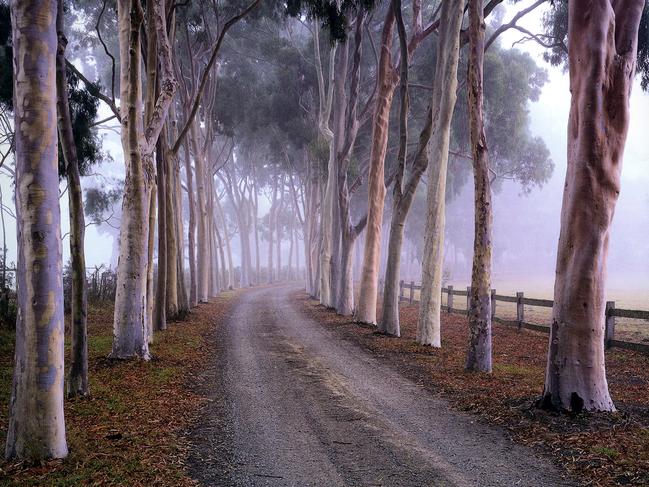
{"x": 599, "y": 449}
{"x": 130, "y": 430}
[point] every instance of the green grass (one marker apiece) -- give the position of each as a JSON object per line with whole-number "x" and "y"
{"x": 100, "y": 345}
{"x": 162, "y": 375}
{"x": 513, "y": 369}
{"x": 603, "y": 450}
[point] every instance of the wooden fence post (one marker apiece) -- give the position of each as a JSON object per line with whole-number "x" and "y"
{"x": 412, "y": 291}
{"x": 520, "y": 310}
{"x": 493, "y": 304}
{"x": 449, "y": 299}
{"x": 468, "y": 300}
{"x": 609, "y": 333}
{"x": 401, "y": 290}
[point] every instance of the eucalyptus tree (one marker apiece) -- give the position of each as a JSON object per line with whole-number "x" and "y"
{"x": 479, "y": 352}
{"x": 36, "y": 422}
{"x": 602, "y": 56}
{"x": 78, "y": 378}
{"x": 139, "y": 139}
{"x": 388, "y": 80}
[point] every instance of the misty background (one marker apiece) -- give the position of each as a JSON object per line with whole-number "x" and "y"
{"x": 526, "y": 224}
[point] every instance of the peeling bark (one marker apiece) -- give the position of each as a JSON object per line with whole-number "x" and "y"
{"x": 77, "y": 384}
{"x": 479, "y": 353}
{"x": 443, "y": 105}
{"x": 387, "y": 80}
{"x": 602, "y": 53}
{"x": 36, "y": 419}
{"x": 130, "y": 334}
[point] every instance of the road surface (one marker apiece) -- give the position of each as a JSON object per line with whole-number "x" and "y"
{"x": 292, "y": 405}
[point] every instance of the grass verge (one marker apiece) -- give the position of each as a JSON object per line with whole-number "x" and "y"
{"x": 599, "y": 449}
{"x": 130, "y": 430}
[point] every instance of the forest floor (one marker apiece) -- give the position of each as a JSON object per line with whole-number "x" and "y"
{"x": 601, "y": 449}
{"x": 131, "y": 430}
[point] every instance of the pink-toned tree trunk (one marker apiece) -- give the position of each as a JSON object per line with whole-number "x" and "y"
{"x": 387, "y": 80}
{"x": 36, "y": 423}
{"x": 603, "y": 38}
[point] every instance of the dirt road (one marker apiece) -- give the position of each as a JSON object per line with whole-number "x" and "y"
{"x": 293, "y": 406}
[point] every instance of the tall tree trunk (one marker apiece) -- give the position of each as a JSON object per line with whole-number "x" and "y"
{"x": 325, "y": 99}
{"x": 219, "y": 240}
{"x": 442, "y": 107}
{"x": 479, "y": 353}
{"x": 160, "y": 317}
{"x": 77, "y": 384}
{"x": 130, "y": 335}
{"x": 202, "y": 260}
{"x": 255, "y": 224}
{"x": 271, "y": 230}
{"x": 172, "y": 287}
{"x": 36, "y": 422}
{"x": 228, "y": 248}
{"x": 191, "y": 232}
{"x": 289, "y": 271}
{"x": 183, "y": 298}
{"x": 149, "y": 268}
{"x": 387, "y": 79}
{"x": 401, "y": 205}
{"x": 278, "y": 228}
{"x": 389, "y": 322}
{"x": 603, "y": 39}
{"x": 171, "y": 298}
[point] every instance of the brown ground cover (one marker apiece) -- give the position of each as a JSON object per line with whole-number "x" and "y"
{"x": 601, "y": 449}
{"x": 130, "y": 431}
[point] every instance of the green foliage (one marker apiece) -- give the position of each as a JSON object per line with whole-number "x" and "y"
{"x": 6, "y": 58}
{"x": 83, "y": 110}
{"x": 83, "y": 103}
{"x": 100, "y": 201}
{"x": 327, "y": 12}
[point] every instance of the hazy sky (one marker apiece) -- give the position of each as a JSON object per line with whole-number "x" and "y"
{"x": 549, "y": 118}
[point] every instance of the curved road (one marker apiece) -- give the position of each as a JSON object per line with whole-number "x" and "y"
{"x": 292, "y": 405}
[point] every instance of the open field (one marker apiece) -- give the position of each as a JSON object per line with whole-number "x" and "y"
{"x": 626, "y": 329}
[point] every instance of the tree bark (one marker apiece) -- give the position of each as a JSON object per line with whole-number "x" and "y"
{"x": 326, "y": 94}
{"x": 442, "y": 107}
{"x": 130, "y": 334}
{"x": 149, "y": 266}
{"x": 602, "y": 55}
{"x": 202, "y": 260}
{"x": 191, "y": 232}
{"x": 389, "y": 322}
{"x": 36, "y": 419}
{"x": 479, "y": 352}
{"x": 271, "y": 230}
{"x": 160, "y": 318}
{"x": 387, "y": 79}
{"x": 77, "y": 384}
{"x": 171, "y": 298}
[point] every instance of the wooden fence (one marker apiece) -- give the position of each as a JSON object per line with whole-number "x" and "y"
{"x": 520, "y": 300}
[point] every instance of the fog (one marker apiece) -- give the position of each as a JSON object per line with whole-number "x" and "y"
{"x": 526, "y": 225}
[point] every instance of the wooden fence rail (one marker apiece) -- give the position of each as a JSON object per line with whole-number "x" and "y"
{"x": 520, "y": 300}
